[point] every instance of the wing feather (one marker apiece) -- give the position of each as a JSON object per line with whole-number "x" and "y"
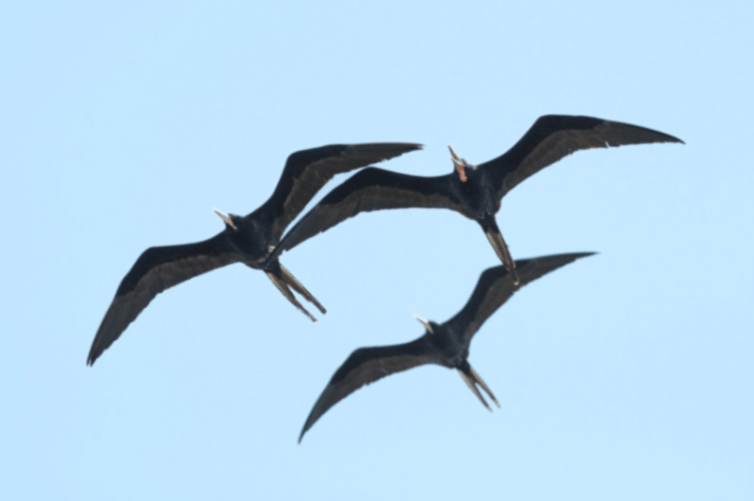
{"x": 367, "y": 365}
{"x": 157, "y": 269}
{"x": 369, "y": 190}
{"x": 307, "y": 171}
{"x": 495, "y": 287}
{"x": 553, "y": 137}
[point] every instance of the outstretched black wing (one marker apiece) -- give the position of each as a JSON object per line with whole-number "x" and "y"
{"x": 307, "y": 171}
{"x": 157, "y": 269}
{"x": 552, "y": 137}
{"x": 369, "y": 190}
{"x": 367, "y": 365}
{"x": 495, "y": 287}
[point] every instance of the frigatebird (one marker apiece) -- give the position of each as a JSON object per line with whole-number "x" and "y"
{"x": 249, "y": 240}
{"x": 445, "y": 344}
{"x": 475, "y": 191}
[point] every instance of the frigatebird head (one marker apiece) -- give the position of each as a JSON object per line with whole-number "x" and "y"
{"x": 460, "y": 164}
{"x": 426, "y": 323}
{"x": 229, "y": 219}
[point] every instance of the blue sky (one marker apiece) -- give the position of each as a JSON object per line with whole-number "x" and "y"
{"x": 627, "y": 375}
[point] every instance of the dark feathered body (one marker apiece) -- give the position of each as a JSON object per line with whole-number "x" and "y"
{"x": 551, "y": 138}
{"x": 474, "y": 195}
{"x": 253, "y": 240}
{"x": 445, "y": 344}
{"x": 249, "y": 240}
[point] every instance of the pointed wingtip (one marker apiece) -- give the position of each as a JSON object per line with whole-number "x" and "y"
{"x": 403, "y": 148}
{"x": 667, "y": 138}
{"x": 573, "y": 256}
{"x": 585, "y": 254}
{"x": 91, "y": 358}
{"x": 672, "y": 139}
{"x": 407, "y": 147}
{"x": 391, "y": 149}
{"x": 303, "y": 432}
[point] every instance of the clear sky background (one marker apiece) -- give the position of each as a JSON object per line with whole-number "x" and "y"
{"x": 623, "y": 376}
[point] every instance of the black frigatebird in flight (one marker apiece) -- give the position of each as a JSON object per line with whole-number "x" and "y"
{"x": 249, "y": 240}
{"x": 475, "y": 191}
{"x": 445, "y": 344}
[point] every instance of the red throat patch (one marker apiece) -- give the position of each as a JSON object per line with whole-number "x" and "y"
{"x": 461, "y": 173}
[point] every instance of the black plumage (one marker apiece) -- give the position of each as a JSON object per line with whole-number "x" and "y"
{"x": 473, "y": 191}
{"x": 445, "y": 344}
{"x": 249, "y": 240}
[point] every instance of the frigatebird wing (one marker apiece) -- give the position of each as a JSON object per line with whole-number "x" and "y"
{"x": 369, "y": 190}
{"x": 158, "y": 269}
{"x": 367, "y": 365}
{"x": 553, "y": 137}
{"x": 495, "y": 287}
{"x": 307, "y": 171}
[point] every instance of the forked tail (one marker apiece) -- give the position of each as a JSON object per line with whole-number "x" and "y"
{"x": 298, "y": 287}
{"x": 471, "y": 378}
{"x": 489, "y": 225}
{"x": 284, "y": 281}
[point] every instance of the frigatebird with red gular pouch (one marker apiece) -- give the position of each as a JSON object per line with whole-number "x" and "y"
{"x": 474, "y": 191}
